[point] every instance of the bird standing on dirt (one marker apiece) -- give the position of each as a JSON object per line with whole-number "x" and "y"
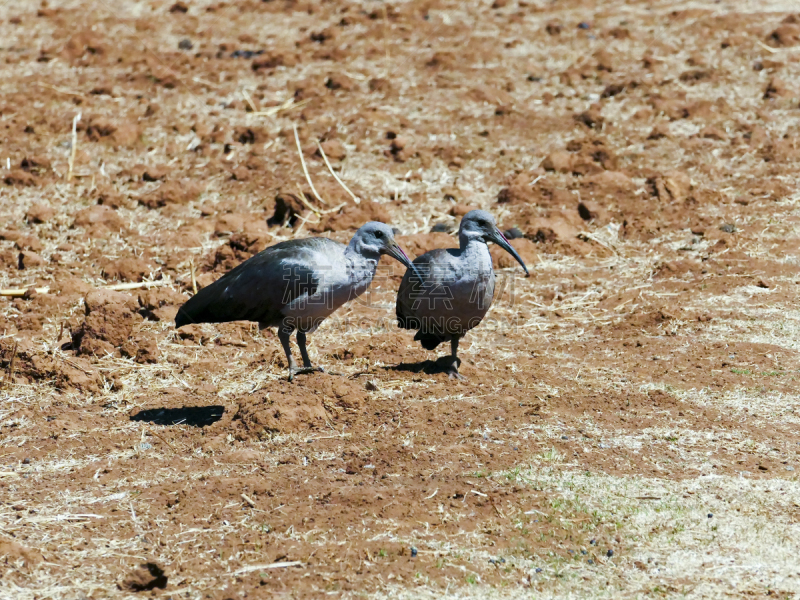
{"x": 295, "y": 285}
{"x": 452, "y": 289}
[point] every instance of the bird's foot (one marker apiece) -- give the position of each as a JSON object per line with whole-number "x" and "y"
{"x": 452, "y": 370}
{"x": 453, "y": 373}
{"x": 304, "y": 371}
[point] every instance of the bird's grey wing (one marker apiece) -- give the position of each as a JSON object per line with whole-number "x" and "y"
{"x": 257, "y": 289}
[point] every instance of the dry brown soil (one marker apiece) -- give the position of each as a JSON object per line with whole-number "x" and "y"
{"x": 629, "y": 423}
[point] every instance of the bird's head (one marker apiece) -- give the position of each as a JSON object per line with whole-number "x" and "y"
{"x": 377, "y": 239}
{"x": 480, "y": 225}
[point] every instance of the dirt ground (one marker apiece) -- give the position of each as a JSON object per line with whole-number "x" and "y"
{"x": 629, "y": 423}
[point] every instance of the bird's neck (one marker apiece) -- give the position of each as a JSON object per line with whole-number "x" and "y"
{"x": 360, "y": 259}
{"x": 471, "y": 243}
{"x": 476, "y": 252}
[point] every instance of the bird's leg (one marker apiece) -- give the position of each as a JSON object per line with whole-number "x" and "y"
{"x": 452, "y": 370}
{"x": 307, "y": 367}
{"x": 283, "y": 335}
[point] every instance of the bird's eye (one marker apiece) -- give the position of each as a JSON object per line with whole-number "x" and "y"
{"x": 379, "y": 234}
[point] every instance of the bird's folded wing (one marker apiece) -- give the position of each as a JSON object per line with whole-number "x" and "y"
{"x": 256, "y": 290}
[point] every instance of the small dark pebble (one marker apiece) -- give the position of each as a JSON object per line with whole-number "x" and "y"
{"x": 564, "y": 437}
{"x": 710, "y": 515}
{"x": 26, "y": 461}
{"x": 590, "y": 561}
{"x": 246, "y": 54}
{"x": 185, "y": 44}
{"x": 513, "y": 233}
{"x": 584, "y": 552}
{"x": 538, "y": 569}
{"x": 502, "y": 560}
{"x": 593, "y": 542}
{"x": 534, "y": 78}
{"x": 441, "y": 228}
{"x": 584, "y": 25}
{"x": 413, "y": 552}
{"x": 515, "y": 449}
{"x": 728, "y": 228}
{"x": 571, "y": 551}
{"x": 610, "y": 553}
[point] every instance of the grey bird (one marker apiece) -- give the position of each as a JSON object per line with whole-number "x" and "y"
{"x": 294, "y": 285}
{"x": 451, "y": 289}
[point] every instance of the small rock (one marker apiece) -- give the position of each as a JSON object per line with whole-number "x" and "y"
{"x": 441, "y": 228}
{"x": 179, "y": 7}
{"x": 710, "y": 515}
{"x": 185, "y": 44}
{"x": 39, "y": 213}
{"x": 584, "y": 25}
{"x": 413, "y": 552}
{"x": 727, "y": 228}
{"x": 564, "y": 437}
{"x": 610, "y": 553}
{"x": 145, "y": 577}
{"x": 334, "y": 149}
{"x": 538, "y": 569}
{"x": 28, "y": 259}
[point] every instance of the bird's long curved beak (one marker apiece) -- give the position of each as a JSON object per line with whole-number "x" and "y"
{"x": 394, "y": 250}
{"x": 499, "y": 239}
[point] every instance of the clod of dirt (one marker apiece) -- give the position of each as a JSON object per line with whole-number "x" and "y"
{"x": 559, "y": 161}
{"x": 19, "y": 177}
{"x": 38, "y": 165}
{"x": 109, "y": 322}
{"x": 503, "y": 260}
{"x": 29, "y": 260}
{"x": 127, "y": 269}
{"x": 28, "y": 242}
{"x": 12, "y": 552}
{"x": 333, "y": 149}
{"x": 119, "y": 133}
{"x": 400, "y": 149}
{"x": 787, "y": 34}
{"x": 145, "y": 577}
{"x": 605, "y": 62}
{"x": 713, "y": 133}
{"x": 30, "y": 364}
{"x": 554, "y": 28}
{"x": 39, "y": 213}
{"x": 592, "y": 117}
{"x": 160, "y": 304}
{"x": 98, "y": 221}
{"x": 307, "y": 403}
{"x": 442, "y": 228}
{"x": 172, "y": 192}
{"x": 353, "y": 216}
{"x": 287, "y": 208}
{"x": 670, "y": 187}
{"x": 340, "y": 81}
{"x": 776, "y": 88}
{"x": 661, "y": 130}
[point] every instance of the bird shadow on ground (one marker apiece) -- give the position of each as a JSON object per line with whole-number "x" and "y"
{"x": 196, "y": 416}
{"x": 428, "y": 367}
